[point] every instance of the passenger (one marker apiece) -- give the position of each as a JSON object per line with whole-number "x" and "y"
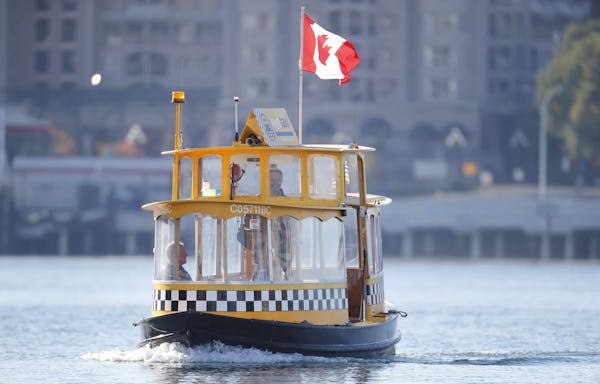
{"x": 176, "y": 258}
{"x": 275, "y": 180}
{"x": 280, "y": 225}
{"x": 252, "y": 234}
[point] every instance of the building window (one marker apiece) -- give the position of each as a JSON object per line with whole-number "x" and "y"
{"x": 499, "y": 57}
{"x": 386, "y": 22}
{"x": 500, "y": 25}
{"x": 68, "y": 62}
{"x": 42, "y": 30}
{"x": 438, "y": 56}
{"x": 42, "y": 62}
{"x": 135, "y": 32}
{"x": 254, "y": 54}
{"x": 356, "y": 90}
{"x": 385, "y": 57}
{"x": 113, "y": 34}
{"x": 355, "y": 23}
{"x": 335, "y": 20}
{"x": 69, "y": 30}
{"x": 134, "y": 64}
{"x": 69, "y": 5}
{"x": 185, "y": 32}
{"x": 499, "y": 86}
{"x": 441, "y": 89}
{"x": 500, "y": 3}
{"x": 185, "y": 4}
{"x": 371, "y": 25}
{"x": 208, "y": 32}
{"x": 387, "y": 88}
{"x": 159, "y": 31}
{"x": 42, "y": 5}
{"x": 206, "y": 62}
{"x": 158, "y": 64}
{"x": 257, "y": 88}
{"x": 443, "y": 23}
{"x": 370, "y": 90}
{"x": 257, "y": 21}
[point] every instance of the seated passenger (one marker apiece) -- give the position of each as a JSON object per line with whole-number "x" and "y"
{"x": 176, "y": 258}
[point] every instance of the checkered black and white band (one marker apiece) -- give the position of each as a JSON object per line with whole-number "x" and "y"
{"x": 375, "y": 293}
{"x": 250, "y": 301}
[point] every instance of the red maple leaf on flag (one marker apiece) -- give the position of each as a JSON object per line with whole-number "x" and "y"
{"x": 323, "y": 49}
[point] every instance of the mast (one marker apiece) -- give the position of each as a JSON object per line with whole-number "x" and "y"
{"x": 300, "y": 61}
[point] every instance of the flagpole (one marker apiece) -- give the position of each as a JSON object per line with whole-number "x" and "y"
{"x": 300, "y": 61}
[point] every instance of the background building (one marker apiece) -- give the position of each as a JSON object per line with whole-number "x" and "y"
{"x": 444, "y": 90}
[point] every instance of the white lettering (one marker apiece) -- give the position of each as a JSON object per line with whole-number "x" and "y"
{"x": 250, "y": 209}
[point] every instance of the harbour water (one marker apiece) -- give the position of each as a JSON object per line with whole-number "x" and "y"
{"x": 69, "y": 320}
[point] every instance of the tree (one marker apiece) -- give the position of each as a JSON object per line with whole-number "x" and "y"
{"x": 574, "y": 114}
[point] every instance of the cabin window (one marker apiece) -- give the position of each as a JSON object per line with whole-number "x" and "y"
{"x": 379, "y": 243}
{"x": 245, "y": 175}
{"x": 284, "y": 176}
{"x": 252, "y": 234}
{"x": 351, "y": 175}
{"x": 284, "y": 244}
{"x": 322, "y": 177}
{"x": 209, "y": 175}
{"x": 351, "y": 238}
{"x": 208, "y": 247}
{"x": 166, "y": 265}
{"x": 234, "y": 266}
{"x": 185, "y": 179}
{"x": 374, "y": 244}
{"x": 322, "y": 249}
{"x": 283, "y": 249}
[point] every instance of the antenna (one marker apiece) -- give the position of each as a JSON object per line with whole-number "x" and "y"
{"x": 180, "y": 60}
{"x": 235, "y": 116}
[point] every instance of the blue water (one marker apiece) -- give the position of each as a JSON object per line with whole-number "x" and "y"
{"x": 69, "y": 320}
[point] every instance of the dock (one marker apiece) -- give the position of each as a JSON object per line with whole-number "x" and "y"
{"x": 496, "y": 222}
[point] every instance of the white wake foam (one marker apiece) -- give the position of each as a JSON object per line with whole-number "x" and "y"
{"x": 205, "y": 354}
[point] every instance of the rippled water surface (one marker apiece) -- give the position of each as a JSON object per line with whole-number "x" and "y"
{"x": 69, "y": 320}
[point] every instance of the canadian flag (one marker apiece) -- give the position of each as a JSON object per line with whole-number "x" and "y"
{"x": 326, "y": 54}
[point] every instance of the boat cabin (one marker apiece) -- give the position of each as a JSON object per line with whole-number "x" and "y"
{"x": 270, "y": 229}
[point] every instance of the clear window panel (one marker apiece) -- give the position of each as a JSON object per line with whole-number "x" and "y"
{"x": 210, "y": 175}
{"x": 308, "y": 245}
{"x": 322, "y": 250}
{"x": 208, "y": 248}
{"x": 351, "y": 175}
{"x": 187, "y": 261}
{"x": 284, "y": 176}
{"x": 375, "y": 254}
{"x": 164, "y": 236}
{"x": 351, "y": 238}
{"x": 253, "y": 236}
{"x": 284, "y": 241}
{"x": 333, "y": 248}
{"x": 372, "y": 242}
{"x": 235, "y": 264}
{"x": 322, "y": 177}
{"x": 379, "y": 244}
{"x": 245, "y": 172}
{"x": 185, "y": 178}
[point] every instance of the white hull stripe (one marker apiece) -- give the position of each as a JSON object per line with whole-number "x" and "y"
{"x": 251, "y": 301}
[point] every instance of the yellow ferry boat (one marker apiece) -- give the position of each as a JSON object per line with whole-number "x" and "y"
{"x": 270, "y": 244}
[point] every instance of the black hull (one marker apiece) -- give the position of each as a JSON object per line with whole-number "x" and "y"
{"x": 196, "y": 328}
